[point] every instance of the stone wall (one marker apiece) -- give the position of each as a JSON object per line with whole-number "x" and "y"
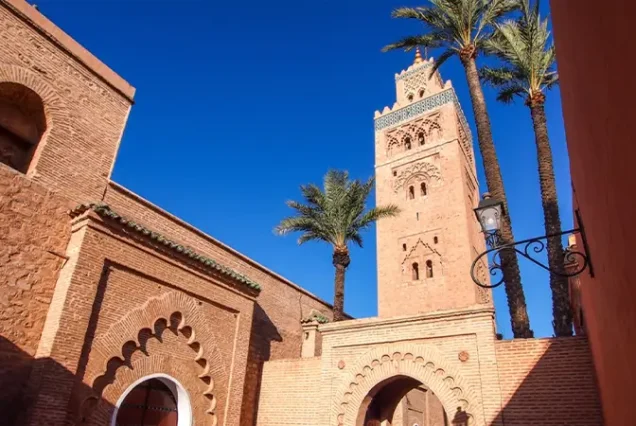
{"x": 548, "y": 382}
{"x": 289, "y": 392}
{"x": 276, "y": 330}
{"x": 34, "y": 231}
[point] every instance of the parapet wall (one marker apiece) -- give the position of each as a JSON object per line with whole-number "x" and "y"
{"x": 289, "y": 392}
{"x": 548, "y": 382}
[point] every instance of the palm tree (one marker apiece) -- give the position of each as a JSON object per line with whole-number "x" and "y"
{"x": 462, "y": 27}
{"x": 336, "y": 216}
{"x": 528, "y": 71}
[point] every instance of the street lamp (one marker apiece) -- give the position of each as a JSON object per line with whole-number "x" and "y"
{"x": 490, "y": 213}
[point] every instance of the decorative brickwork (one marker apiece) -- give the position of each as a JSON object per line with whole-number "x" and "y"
{"x": 132, "y": 332}
{"x": 423, "y": 363}
{"x": 424, "y": 165}
{"x": 85, "y": 105}
{"x": 121, "y": 290}
{"x": 34, "y": 232}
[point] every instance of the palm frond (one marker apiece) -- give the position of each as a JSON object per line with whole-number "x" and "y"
{"x": 445, "y": 56}
{"x": 375, "y": 214}
{"x": 496, "y": 76}
{"x": 432, "y": 41}
{"x": 337, "y": 214}
{"x": 452, "y": 24}
{"x": 525, "y": 46}
{"x": 507, "y": 94}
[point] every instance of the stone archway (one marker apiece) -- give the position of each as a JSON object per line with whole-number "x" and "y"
{"x": 422, "y": 363}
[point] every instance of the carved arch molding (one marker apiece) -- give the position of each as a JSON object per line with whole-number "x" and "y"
{"x": 175, "y": 312}
{"x": 422, "y": 170}
{"x": 424, "y": 363}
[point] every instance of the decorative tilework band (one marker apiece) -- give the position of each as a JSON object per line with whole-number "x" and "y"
{"x": 415, "y": 109}
{"x": 421, "y": 107}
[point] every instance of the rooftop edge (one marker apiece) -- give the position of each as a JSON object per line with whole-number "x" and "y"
{"x": 33, "y": 17}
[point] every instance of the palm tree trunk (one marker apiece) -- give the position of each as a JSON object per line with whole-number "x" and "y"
{"x": 561, "y": 311}
{"x": 341, "y": 260}
{"x": 512, "y": 277}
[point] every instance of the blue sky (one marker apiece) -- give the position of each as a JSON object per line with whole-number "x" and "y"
{"x": 238, "y": 103}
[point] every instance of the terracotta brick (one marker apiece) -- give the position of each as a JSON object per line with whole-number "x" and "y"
{"x": 91, "y": 305}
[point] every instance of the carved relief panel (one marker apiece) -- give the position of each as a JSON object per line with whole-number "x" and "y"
{"x": 421, "y": 259}
{"x": 417, "y": 133}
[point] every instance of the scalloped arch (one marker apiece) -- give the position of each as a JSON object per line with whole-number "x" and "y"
{"x": 424, "y": 363}
{"x": 126, "y": 336}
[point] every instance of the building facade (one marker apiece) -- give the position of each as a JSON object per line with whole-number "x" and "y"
{"x": 113, "y": 311}
{"x": 432, "y": 356}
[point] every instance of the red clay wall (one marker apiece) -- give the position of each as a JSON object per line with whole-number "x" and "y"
{"x": 548, "y": 382}
{"x": 598, "y": 91}
{"x": 34, "y": 231}
{"x": 125, "y": 289}
{"x": 276, "y": 331}
{"x": 86, "y": 104}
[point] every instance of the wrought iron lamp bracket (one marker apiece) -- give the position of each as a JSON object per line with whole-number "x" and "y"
{"x": 574, "y": 261}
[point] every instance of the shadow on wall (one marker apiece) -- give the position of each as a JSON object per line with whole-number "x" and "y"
{"x": 262, "y": 334}
{"x": 20, "y": 376}
{"x": 548, "y": 382}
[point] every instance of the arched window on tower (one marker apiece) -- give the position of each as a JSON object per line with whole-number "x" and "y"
{"x": 421, "y": 93}
{"x": 22, "y": 124}
{"x": 407, "y": 143}
{"x": 411, "y": 192}
{"x": 422, "y": 189}
{"x": 420, "y": 138}
{"x": 429, "y": 269}
{"x": 404, "y": 247}
{"x": 415, "y": 271}
{"x": 410, "y": 97}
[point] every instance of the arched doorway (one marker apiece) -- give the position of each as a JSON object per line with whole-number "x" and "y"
{"x": 157, "y": 400}
{"x": 401, "y": 401}
{"x": 404, "y": 367}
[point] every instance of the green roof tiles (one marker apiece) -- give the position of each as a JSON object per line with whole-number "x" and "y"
{"x": 105, "y": 211}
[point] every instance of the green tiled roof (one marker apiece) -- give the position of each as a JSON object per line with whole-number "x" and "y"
{"x": 315, "y": 316}
{"x": 105, "y": 211}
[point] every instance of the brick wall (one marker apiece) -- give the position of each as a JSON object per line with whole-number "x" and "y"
{"x": 123, "y": 297}
{"x": 86, "y": 105}
{"x": 436, "y": 225}
{"x": 548, "y": 382}
{"x": 34, "y": 231}
{"x": 276, "y": 330}
{"x": 290, "y": 389}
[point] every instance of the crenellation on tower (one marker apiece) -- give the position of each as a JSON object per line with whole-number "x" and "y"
{"x": 425, "y": 164}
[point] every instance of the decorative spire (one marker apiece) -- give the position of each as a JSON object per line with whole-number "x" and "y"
{"x": 418, "y": 56}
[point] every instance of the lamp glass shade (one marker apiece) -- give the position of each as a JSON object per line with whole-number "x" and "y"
{"x": 489, "y": 216}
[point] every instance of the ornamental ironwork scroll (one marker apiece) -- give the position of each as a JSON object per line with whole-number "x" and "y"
{"x": 574, "y": 261}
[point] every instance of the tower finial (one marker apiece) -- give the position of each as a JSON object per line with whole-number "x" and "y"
{"x": 418, "y": 56}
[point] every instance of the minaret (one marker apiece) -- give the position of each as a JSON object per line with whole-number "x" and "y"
{"x": 424, "y": 163}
